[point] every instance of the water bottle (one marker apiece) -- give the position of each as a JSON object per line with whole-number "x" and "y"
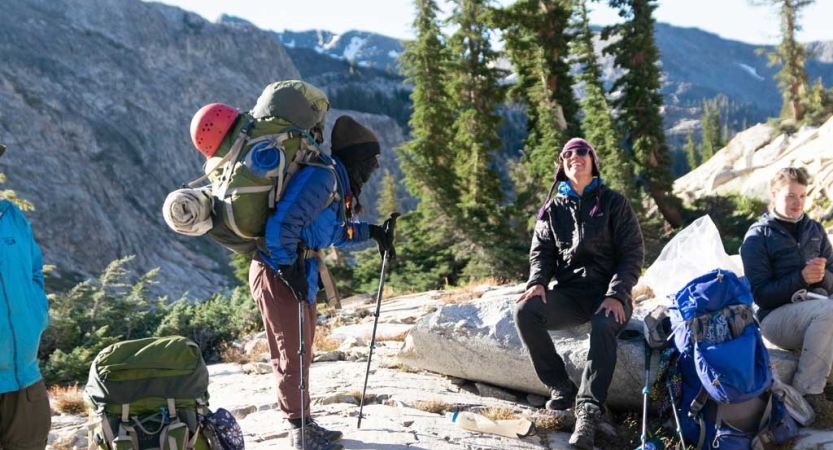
{"x": 652, "y": 444}
{"x": 515, "y": 428}
{"x": 263, "y": 159}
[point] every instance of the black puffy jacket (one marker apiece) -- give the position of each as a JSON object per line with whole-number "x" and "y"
{"x": 575, "y": 248}
{"x": 773, "y": 260}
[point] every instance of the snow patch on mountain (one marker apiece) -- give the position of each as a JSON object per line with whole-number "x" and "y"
{"x": 333, "y": 42}
{"x": 353, "y": 48}
{"x": 752, "y": 71}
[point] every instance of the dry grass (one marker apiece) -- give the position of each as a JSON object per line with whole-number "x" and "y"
{"x": 549, "y": 422}
{"x": 389, "y": 292}
{"x": 322, "y": 342}
{"x": 363, "y": 312}
{"x": 455, "y": 298}
{"x": 336, "y": 321}
{"x": 629, "y": 431}
{"x": 433, "y": 406}
{"x": 357, "y": 394}
{"x": 398, "y": 338}
{"x": 498, "y": 413}
{"x": 326, "y": 310}
{"x": 400, "y": 367}
{"x": 261, "y": 347}
{"x": 468, "y": 292}
{"x": 68, "y": 400}
{"x": 62, "y": 444}
{"x": 640, "y": 290}
{"x": 231, "y": 354}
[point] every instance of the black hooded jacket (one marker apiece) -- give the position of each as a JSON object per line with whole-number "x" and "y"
{"x": 773, "y": 260}
{"x": 576, "y": 248}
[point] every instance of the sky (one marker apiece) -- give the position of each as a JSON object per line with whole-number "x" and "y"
{"x": 730, "y": 19}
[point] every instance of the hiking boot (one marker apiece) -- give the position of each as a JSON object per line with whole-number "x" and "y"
{"x": 562, "y": 396}
{"x": 330, "y": 435}
{"x": 313, "y": 440}
{"x": 587, "y": 420}
{"x": 823, "y": 409}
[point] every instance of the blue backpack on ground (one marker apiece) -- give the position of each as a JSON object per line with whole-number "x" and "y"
{"x": 726, "y": 399}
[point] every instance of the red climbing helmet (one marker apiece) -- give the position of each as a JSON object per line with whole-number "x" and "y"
{"x": 210, "y": 124}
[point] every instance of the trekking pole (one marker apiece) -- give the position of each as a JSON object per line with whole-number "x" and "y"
{"x": 392, "y": 225}
{"x": 676, "y": 417}
{"x": 645, "y": 392}
{"x": 301, "y": 352}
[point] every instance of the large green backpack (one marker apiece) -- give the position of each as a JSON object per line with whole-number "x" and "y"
{"x": 259, "y": 155}
{"x": 147, "y": 394}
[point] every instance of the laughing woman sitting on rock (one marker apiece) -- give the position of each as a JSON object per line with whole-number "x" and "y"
{"x": 788, "y": 260}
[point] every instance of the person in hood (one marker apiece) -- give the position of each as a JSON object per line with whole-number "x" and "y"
{"x": 785, "y": 256}
{"x": 308, "y": 218}
{"x": 587, "y": 238}
{"x": 25, "y": 416}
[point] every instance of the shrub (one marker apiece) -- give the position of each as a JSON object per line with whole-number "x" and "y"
{"x": 732, "y": 214}
{"x": 68, "y": 400}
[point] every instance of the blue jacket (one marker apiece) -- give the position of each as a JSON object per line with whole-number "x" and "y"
{"x": 302, "y": 215}
{"x": 773, "y": 260}
{"x": 23, "y": 307}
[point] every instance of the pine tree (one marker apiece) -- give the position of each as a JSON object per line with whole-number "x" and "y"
{"x": 537, "y": 37}
{"x": 488, "y": 241}
{"x": 616, "y": 165}
{"x": 690, "y": 150}
{"x": 426, "y": 236}
{"x": 477, "y": 95}
{"x": 388, "y": 201}
{"x": 791, "y": 55}
{"x": 428, "y": 159}
{"x": 819, "y": 103}
{"x": 711, "y": 140}
{"x": 640, "y": 102}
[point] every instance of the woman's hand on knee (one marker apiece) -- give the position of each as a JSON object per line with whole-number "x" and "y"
{"x": 612, "y": 305}
{"x": 538, "y": 290}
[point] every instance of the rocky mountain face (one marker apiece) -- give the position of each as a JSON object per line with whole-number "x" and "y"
{"x": 750, "y": 160}
{"x": 364, "y": 48}
{"x": 97, "y": 98}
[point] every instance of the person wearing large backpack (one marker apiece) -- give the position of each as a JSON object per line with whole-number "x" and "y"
{"x": 787, "y": 258}
{"x": 308, "y": 218}
{"x": 588, "y": 238}
{"x": 25, "y": 416}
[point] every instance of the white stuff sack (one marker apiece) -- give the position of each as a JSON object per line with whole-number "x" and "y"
{"x": 694, "y": 251}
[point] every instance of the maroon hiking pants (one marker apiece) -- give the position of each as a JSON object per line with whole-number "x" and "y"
{"x": 279, "y": 309}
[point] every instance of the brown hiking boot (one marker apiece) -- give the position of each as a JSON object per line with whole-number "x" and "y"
{"x": 588, "y": 416}
{"x": 562, "y": 396}
{"x": 823, "y": 409}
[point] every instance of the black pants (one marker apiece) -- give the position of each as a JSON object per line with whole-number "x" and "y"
{"x": 567, "y": 308}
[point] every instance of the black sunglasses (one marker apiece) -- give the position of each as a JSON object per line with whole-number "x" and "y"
{"x": 567, "y": 154}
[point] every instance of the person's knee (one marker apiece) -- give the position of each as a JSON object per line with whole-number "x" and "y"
{"x": 824, "y": 312}
{"x": 606, "y": 325}
{"x": 527, "y": 312}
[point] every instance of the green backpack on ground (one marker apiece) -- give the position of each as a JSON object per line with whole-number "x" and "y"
{"x": 258, "y": 156}
{"x": 147, "y": 394}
